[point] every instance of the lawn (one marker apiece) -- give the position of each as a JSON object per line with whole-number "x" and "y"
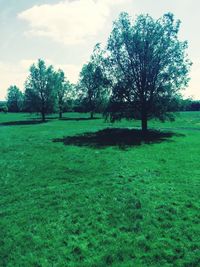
{"x": 105, "y": 198}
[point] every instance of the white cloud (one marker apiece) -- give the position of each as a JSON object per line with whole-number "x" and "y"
{"x": 69, "y": 22}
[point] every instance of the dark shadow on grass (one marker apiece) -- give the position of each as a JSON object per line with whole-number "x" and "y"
{"x": 119, "y": 137}
{"x": 79, "y": 119}
{"x": 70, "y": 119}
{"x": 17, "y": 123}
{"x": 182, "y": 128}
{"x": 47, "y": 118}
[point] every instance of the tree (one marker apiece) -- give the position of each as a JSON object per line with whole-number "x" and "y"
{"x": 92, "y": 83}
{"x": 40, "y": 89}
{"x": 63, "y": 87}
{"x": 190, "y": 105}
{"x": 14, "y": 99}
{"x": 148, "y": 66}
{"x": 3, "y": 106}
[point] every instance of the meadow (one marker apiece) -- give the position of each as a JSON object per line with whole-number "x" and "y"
{"x": 88, "y": 193}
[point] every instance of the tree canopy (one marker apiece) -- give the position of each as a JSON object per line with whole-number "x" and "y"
{"x": 63, "y": 89}
{"x": 93, "y": 83}
{"x": 14, "y": 99}
{"x": 40, "y": 89}
{"x": 148, "y": 66}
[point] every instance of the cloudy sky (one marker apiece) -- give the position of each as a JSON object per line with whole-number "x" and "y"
{"x": 64, "y": 32}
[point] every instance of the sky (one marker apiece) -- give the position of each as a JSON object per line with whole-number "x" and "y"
{"x": 64, "y": 33}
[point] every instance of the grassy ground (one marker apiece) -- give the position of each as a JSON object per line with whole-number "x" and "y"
{"x": 95, "y": 200}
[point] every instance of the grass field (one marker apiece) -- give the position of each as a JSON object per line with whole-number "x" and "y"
{"x": 105, "y": 198}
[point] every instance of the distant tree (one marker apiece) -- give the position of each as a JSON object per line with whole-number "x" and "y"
{"x": 3, "y": 106}
{"x": 40, "y": 93}
{"x": 89, "y": 76}
{"x": 191, "y": 105}
{"x": 148, "y": 65}
{"x": 14, "y": 99}
{"x": 195, "y": 106}
{"x": 63, "y": 89}
{"x": 93, "y": 83}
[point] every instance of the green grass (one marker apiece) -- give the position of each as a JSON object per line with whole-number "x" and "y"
{"x": 81, "y": 205}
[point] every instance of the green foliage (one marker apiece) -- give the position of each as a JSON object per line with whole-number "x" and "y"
{"x": 15, "y": 99}
{"x": 63, "y": 90}
{"x": 40, "y": 92}
{"x": 93, "y": 84}
{"x": 3, "y": 106}
{"x": 82, "y": 206}
{"x": 190, "y": 105}
{"x": 148, "y": 66}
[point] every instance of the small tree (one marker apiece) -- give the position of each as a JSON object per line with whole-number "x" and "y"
{"x": 14, "y": 99}
{"x": 63, "y": 88}
{"x": 40, "y": 89}
{"x": 3, "y": 106}
{"x": 93, "y": 83}
{"x": 148, "y": 66}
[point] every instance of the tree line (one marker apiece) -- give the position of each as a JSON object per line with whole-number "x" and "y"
{"x": 138, "y": 75}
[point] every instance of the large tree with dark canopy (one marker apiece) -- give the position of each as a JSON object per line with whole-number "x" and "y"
{"x": 40, "y": 93}
{"x": 148, "y": 66}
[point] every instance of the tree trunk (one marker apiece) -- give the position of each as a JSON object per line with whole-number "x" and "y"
{"x": 43, "y": 116}
{"x": 60, "y": 115}
{"x": 144, "y": 123}
{"x": 43, "y": 110}
{"x": 91, "y": 115}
